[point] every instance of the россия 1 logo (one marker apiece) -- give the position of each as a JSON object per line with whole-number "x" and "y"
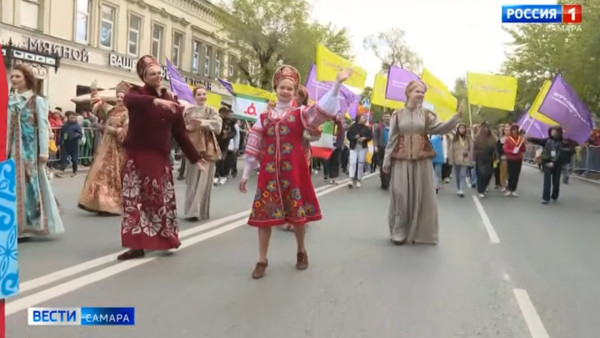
{"x": 541, "y": 14}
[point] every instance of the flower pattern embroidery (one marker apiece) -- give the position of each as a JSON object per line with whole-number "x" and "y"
{"x": 270, "y": 167}
{"x": 286, "y": 166}
{"x": 286, "y": 148}
{"x": 271, "y": 131}
{"x": 291, "y": 118}
{"x": 271, "y": 149}
{"x": 284, "y": 130}
{"x": 300, "y": 212}
{"x": 257, "y": 195}
{"x": 285, "y": 184}
{"x": 272, "y": 186}
{"x": 295, "y": 193}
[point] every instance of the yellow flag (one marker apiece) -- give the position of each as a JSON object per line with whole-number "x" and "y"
{"x": 433, "y": 82}
{"x": 329, "y": 64}
{"x": 438, "y": 96}
{"x": 378, "y": 94}
{"x": 243, "y": 89}
{"x": 534, "y": 110}
{"x": 213, "y": 100}
{"x": 493, "y": 91}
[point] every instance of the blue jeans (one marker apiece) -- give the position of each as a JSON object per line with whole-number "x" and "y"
{"x": 460, "y": 172}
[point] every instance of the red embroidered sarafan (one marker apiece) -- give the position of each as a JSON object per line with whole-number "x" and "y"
{"x": 284, "y": 193}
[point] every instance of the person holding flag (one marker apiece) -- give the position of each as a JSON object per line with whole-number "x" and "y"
{"x": 285, "y": 193}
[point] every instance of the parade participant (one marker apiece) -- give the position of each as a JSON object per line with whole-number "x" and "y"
{"x": 514, "y": 147}
{"x": 285, "y": 193}
{"x": 103, "y": 188}
{"x": 203, "y": 123}
{"x": 27, "y": 144}
{"x": 413, "y": 215}
{"x": 149, "y": 208}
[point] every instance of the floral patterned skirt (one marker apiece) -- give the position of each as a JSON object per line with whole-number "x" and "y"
{"x": 149, "y": 209}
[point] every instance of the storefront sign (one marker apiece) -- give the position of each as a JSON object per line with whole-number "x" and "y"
{"x": 121, "y": 62}
{"x": 12, "y": 53}
{"x": 65, "y": 52}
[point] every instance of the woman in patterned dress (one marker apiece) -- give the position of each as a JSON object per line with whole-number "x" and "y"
{"x": 149, "y": 208}
{"x": 27, "y": 144}
{"x": 285, "y": 194}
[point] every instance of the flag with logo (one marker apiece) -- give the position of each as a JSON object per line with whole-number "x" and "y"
{"x": 563, "y": 105}
{"x": 493, "y": 91}
{"x": 248, "y": 108}
{"x": 324, "y": 146}
{"x": 330, "y": 64}
{"x": 397, "y": 81}
{"x": 317, "y": 89}
{"x": 537, "y": 102}
{"x": 378, "y": 94}
{"x": 247, "y": 90}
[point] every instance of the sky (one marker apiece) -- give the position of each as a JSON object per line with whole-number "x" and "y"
{"x": 451, "y": 36}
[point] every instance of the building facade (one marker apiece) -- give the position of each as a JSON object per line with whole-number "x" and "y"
{"x": 99, "y": 41}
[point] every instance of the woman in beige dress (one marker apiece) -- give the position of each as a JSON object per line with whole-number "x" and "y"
{"x": 103, "y": 189}
{"x": 203, "y": 123}
{"x": 412, "y": 215}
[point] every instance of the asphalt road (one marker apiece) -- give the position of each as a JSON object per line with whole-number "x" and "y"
{"x": 505, "y": 267}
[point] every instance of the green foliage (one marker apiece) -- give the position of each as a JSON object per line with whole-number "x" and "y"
{"x": 543, "y": 50}
{"x": 274, "y": 32}
{"x": 392, "y": 49}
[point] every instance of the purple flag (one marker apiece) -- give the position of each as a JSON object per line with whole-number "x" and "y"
{"x": 178, "y": 85}
{"x": 397, "y": 80}
{"x": 227, "y": 86}
{"x": 566, "y": 108}
{"x": 317, "y": 89}
{"x": 533, "y": 127}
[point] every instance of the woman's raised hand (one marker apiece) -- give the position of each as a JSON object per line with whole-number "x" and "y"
{"x": 345, "y": 74}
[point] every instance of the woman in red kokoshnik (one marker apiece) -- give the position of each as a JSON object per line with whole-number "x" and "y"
{"x": 285, "y": 194}
{"x": 149, "y": 209}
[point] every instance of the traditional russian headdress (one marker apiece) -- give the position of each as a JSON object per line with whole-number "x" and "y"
{"x": 286, "y": 72}
{"x": 143, "y": 64}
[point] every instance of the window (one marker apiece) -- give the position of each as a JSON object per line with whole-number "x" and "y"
{"x": 82, "y": 21}
{"x": 30, "y": 14}
{"x": 107, "y": 26}
{"x": 231, "y": 67}
{"x": 207, "y": 55}
{"x": 135, "y": 24}
{"x": 177, "y": 43}
{"x": 157, "y": 37}
{"x": 218, "y": 63}
{"x": 195, "y": 56}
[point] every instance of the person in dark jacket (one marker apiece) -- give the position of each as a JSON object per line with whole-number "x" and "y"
{"x": 380, "y": 138}
{"x": 484, "y": 149}
{"x": 228, "y": 132}
{"x": 358, "y": 135}
{"x": 71, "y": 133}
{"x": 556, "y": 152}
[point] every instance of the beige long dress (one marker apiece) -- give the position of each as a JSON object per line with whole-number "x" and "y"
{"x": 199, "y": 184}
{"x": 412, "y": 215}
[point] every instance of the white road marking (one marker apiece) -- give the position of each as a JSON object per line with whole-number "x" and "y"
{"x": 486, "y": 222}
{"x": 534, "y": 323}
{"x": 97, "y": 262}
{"x": 22, "y": 303}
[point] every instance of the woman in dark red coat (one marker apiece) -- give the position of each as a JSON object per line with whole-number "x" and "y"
{"x": 149, "y": 209}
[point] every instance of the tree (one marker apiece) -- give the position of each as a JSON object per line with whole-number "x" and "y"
{"x": 543, "y": 50}
{"x": 392, "y": 49}
{"x": 272, "y": 32}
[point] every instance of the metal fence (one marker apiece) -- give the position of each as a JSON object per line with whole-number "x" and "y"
{"x": 585, "y": 161}
{"x": 86, "y": 150}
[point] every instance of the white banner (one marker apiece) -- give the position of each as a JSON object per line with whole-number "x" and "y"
{"x": 248, "y": 108}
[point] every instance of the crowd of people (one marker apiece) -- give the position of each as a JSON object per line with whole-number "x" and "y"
{"x": 132, "y": 172}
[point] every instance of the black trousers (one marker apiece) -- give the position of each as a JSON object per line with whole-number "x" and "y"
{"x": 69, "y": 149}
{"x": 484, "y": 176}
{"x": 551, "y": 182}
{"x": 331, "y": 166}
{"x": 345, "y": 158}
{"x": 514, "y": 171}
{"x": 446, "y": 170}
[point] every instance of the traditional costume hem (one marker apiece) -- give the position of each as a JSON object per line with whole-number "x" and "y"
{"x": 283, "y": 221}
{"x": 159, "y": 245}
